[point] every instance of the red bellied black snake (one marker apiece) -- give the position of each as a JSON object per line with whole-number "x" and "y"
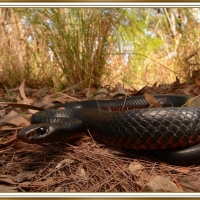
{"x": 171, "y": 133}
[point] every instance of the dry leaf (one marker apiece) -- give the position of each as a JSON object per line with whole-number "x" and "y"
{"x": 2, "y": 113}
{"x": 6, "y": 181}
{"x": 102, "y": 93}
{"x": 24, "y": 176}
{"x": 22, "y": 93}
{"x": 152, "y": 101}
{"x": 8, "y": 189}
{"x": 135, "y": 166}
{"x": 42, "y": 103}
{"x": 100, "y": 96}
{"x": 102, "y": 90}
{"x": 120, "y": 89}
{"x": 64, "y": 162}
{"x": 89, "y": 92}
{"x": 81, "y": 173}
{"x": 113, "y": 94}
{"x": 59, "y": 189}
{"x": 15, "y": 119}
{"x": 25, "y": 99}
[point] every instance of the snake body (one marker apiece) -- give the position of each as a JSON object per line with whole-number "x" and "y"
{"x": 171, "y": 133}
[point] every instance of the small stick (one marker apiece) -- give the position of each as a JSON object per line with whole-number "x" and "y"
{"x": 190, "y": 101}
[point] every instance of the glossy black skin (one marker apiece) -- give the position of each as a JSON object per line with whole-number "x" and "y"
{"x": 137, "y": 102}
{"x": 134, "y": 129}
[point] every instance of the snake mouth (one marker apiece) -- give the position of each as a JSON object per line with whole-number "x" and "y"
{"x": 28, "y": 137}
{"x": 33, "y": 133}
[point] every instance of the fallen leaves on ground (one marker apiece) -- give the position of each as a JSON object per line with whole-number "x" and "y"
{"x": 86, "y": 168}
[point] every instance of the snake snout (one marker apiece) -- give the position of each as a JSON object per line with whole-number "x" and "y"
{"x": 30, "y": 134}
{"x": 25, "y": 137}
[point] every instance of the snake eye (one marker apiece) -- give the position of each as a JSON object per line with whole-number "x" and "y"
{"x": 42, "y": 130}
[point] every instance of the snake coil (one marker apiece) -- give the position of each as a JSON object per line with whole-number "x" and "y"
{"x": 171, "y": 134}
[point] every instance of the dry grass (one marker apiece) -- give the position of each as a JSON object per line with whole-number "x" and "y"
{"x": 18, "y": 58}
{"x": 96, "y": 46}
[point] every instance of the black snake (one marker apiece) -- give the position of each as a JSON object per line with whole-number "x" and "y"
{"x": 171, "y": 133}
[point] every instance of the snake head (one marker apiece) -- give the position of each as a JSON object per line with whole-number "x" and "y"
{"x": 51, "y": 132}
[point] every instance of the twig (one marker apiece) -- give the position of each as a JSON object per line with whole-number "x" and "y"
{"x": 189, "y": 101}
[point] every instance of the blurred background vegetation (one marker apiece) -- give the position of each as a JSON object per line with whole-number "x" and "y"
{"x": 63, "y": 47}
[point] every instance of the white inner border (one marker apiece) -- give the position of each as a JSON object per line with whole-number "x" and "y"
{"x": 99, "y": 4}
{"x": 99, "y": 195}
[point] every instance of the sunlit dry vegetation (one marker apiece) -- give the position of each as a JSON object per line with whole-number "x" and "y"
{"x": 61, "y": 47}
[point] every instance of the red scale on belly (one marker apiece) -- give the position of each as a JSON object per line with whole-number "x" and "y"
{"x": 184, "y": 141}
{"x": 155, "y": 146}
{"x": 173, "y": 141}
{"x": 162, "y": 140}
{"x": 193, "y": 139}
